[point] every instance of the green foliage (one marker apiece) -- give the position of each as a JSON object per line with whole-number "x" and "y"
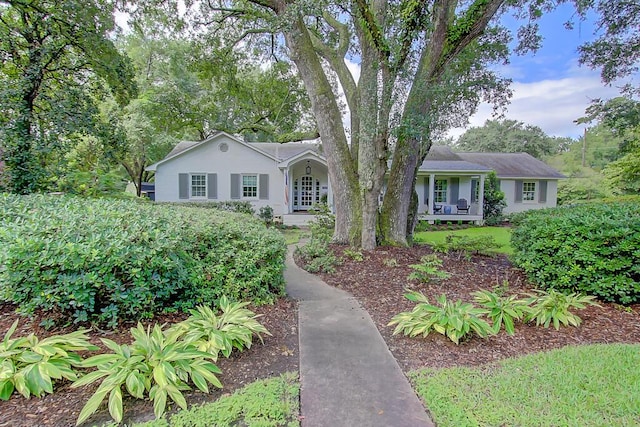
{"x": 428, "y": 269}
{"x": 316, "y": 254}
{"x": 30, "y": 365}
{"x": 354, "y": 254}
{"x": 391, "y": 262}
{"x": 106, "y": 261}
{"x": 502, "y": 310}
{"x": 266, "y": 214}
{"x": 272, "y": 402}
{"x": 466, "y": 245}
{"x": 590, "y": 248}
{"x": 553, "y": 307}
{"x": 584, "y": 385}
{"x": 214, "y": 334}
{"x": 454, "y": 320}
{"x": 494, "y": 200}
{"x": 156, "y": 364}
{"x": 237, "y": 206}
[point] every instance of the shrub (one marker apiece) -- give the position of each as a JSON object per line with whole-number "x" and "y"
{"x": 590, "y": 248}
{"x": 428, "y": 269}
{"x": 468, "y": 245}
{"x": 214, "y": 334}
{"x": 155, "y": 364}
{"x": 354, "y": 253}
{"x": 30, "y": 365}
{"x": 266, "y": 214}
{"x": 236, "y": 206}
{"x": 553, "y": 307}
{"x": 502, "y": 310}
{"x": 316, "y": 254}
{"x": 454, "y": 320}
{"x": 494, "y": 200}
{"x": 105, "y": 260}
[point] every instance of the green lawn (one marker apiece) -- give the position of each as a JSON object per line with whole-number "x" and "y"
{"x": 292, "y": 235}
{"x": 595, "y": 385}
{"x": 502, "y": 236}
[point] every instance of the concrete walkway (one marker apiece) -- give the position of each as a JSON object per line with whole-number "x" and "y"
{"x": 348, "y": 375}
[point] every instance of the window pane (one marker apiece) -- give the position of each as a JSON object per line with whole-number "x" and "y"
{"x": 440, "y": 191}
{"x": 250, "y": 186}
{"x": 529, "y": 191}
{"x": 198, "y": 185}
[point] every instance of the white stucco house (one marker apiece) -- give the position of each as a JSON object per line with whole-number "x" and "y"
{"x": 292, "y": 177}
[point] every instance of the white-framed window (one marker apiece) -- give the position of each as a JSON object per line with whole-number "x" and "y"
{"x": 440, "y": 190}
{"x": 529, "y": 191}
{"x": 198, "y": 185}
{"x": 249, "y": 186}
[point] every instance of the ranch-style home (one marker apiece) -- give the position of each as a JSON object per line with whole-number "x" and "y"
{"x": 292, "y": 177}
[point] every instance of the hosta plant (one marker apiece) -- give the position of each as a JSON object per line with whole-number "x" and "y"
{"x": 30, "y": 365}
{"x": 502, "y": 310}
{"x": 455, "y": 320}
{"x": 551, "y": 306}
{"x": 428, "y": 269}
{"x": 216, "y": 333}
{"x": 155, "y": 363}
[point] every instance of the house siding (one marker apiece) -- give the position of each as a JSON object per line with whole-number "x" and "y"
{"x": 508, "y": 186}
{"x": 463, "y": 185}
{"x": 208, "y": 159}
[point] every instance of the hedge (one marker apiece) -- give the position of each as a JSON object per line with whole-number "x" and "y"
{"x": 591, "y": 248}
{"x": 105, "y": 260}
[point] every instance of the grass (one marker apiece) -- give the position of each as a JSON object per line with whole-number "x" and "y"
{"x": 292, "y": 235}
{"x": 593, "y": 385}
{"x": 502, "y": 236}
{"x": 272, "y": 402}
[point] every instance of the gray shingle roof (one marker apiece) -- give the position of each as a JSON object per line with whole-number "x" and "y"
{"x": 513, "y": 165}
{"x": 451, "y": 166}
{"x": 286, "y": 150}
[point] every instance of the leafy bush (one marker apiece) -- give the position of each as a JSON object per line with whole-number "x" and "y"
{"x": 155, "y": 364}
{"x": 428, "y": 269}
{"x": 29, "y": 365}
{"x": 106, "y": 260}
{"x": 316, "y": 254}
{"x": 466, "y": 246}
{"x": 590, "y": 248}
{"x": 494, "y": 200}
{"x": 237, "y": 206}
{"x": 553, "y": 307}
{"x": 502, "y": 310}
{"x": 354, "y": 254}
{"x": 215, "y": 334}
{"x": 266, "y": 214}
{"x": 454, "y": 320}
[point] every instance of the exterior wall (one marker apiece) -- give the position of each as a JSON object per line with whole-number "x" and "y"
{"x": 464, "y": 192}
{"x": 508, "y": 186}
{"x": 208, "y": 158}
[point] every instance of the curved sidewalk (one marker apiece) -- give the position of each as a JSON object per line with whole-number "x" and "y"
{"x": 348, "y": 375}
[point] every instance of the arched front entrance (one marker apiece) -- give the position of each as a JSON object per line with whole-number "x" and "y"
{"x": 306, "y": 192}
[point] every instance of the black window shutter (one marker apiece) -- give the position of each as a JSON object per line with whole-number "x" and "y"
{"x": 455, "y": 184}
{"x": 542, "y": 196}
{"x": 183, "y": 185}
{"x": 235, "y": 186}
{"x": 263, "y": 187}
{"x": 518, "y": 198}
{"x": 212, "y": 185}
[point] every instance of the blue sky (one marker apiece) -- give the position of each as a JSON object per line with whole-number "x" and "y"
{"x": 550, "y": 89}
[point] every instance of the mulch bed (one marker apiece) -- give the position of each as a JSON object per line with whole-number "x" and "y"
{"x": 379, "y": 283}
{"x": 278, "y": 354}
{"x": 380, "y": 289}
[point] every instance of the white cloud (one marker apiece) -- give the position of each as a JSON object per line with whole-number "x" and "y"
{"x": 551, "y": 104}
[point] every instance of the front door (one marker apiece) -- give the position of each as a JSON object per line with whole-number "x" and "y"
{"x": 307, "y": 192}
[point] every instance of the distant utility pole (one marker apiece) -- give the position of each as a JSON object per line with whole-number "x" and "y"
{"x": 584, "y": 148}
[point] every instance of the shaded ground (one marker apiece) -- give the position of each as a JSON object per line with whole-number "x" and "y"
{"x": 380, "y": 286}
{"x": 278, "y": 355}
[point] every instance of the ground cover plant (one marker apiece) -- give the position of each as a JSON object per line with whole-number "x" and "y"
{"x": 272, "y": 402}
{"x": 588, "y": 385}
{"x": 501, "y": 236}
{"x": 590, "y": 248}
{"x": 106, "y": 261}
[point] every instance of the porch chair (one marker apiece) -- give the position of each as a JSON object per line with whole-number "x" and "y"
{"x": 462, "y": 206}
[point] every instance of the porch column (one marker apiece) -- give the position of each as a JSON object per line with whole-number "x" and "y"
{"x": 481, "y": 196}
{"x": 287, "y": 191}
{"x": 432, "y": 178}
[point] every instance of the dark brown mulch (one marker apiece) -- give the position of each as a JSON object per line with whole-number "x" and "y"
{"x": 277, "y": 355}
{"x": 380, "y": 289}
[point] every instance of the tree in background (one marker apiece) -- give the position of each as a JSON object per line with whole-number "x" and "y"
{"x": 511, "y": 136}
{"x": 56, "y": 58}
